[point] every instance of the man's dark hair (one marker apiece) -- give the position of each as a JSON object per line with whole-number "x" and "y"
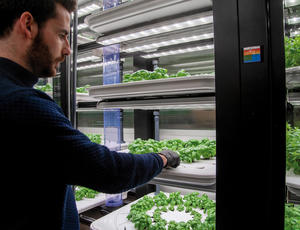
{"x": 41, "y": 10}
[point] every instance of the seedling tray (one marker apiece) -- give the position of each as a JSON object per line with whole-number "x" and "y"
{"x": 117, "y": 220}
{"x": 89, "y": 203}
{"x": 293, "y": 184}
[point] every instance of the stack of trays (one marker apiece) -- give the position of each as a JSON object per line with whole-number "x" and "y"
{"x": 89, "y": 203}
{"x": 293, "y": 77}
{"x": 293, "y": 184}
{"x": 199, "y": 175}
{"x": 155, "y": 88}
{"x": 117, "y": 220}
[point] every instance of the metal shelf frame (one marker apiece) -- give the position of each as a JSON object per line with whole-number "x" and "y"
{"x": 245, "y": 96}
{"x": 141, "y": 11}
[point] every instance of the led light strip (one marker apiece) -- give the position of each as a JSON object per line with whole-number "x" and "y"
{"x": 158, "y": 30}
{"x": 168, "y": 43}
{"x": 290, "y": 1}
{"x": 200, "y": 68}
{"x": 84, "y": 38}
{"x": 191, "y": 64}
{"x": 294, "y": 33}
{"x": 90, "y": 66}
{"x": 82, "y": 26}
{"x": 88, "y": 9}
{"x": 294, "y": 20}
{"x": 90, "y": 58}
{"x": 178, "y": 51}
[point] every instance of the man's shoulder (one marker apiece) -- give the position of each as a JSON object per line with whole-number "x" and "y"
{"x": 10, "y": 90}
{"x": 28, "y": 94}
{"x": 28, "y": 101}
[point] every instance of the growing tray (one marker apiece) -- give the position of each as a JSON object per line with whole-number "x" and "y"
{"x": 155, "y": 88}
{"x": 138, "y": 12}
{"x": 89, "y": 203}
{"x": 117, "y": 220}
{"x": 199, "y": 175}
{"x": 293, "y": 184}
{"x": 293, "y": 77}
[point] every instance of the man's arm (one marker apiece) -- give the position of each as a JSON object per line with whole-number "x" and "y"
{"x": 77, "y": 160}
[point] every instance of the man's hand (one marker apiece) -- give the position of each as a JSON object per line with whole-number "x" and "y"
{"x": 173, "y": 159}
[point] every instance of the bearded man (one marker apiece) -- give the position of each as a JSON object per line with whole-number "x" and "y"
{"x": 42, "y": 154}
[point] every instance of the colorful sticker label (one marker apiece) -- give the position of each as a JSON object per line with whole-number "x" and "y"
{"x": 252, "y": 54}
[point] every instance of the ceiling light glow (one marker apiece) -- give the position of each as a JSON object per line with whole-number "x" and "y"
{"x": 87, "y": 9}
{"x": 90, "y": 66}
{"x": 168, "y": 43}
{"x": 161, "y": 29}
{"x": 90, "y": 58}
{"x": 178, "y": 51}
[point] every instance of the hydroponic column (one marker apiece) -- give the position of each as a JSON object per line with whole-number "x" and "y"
{"x": 112, "y": 117}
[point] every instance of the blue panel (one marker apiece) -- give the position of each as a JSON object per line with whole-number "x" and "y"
{"x": 254, "y": 58}
{"x": 112, "y": 129}
{"x": 110, "y": 3}
{"x": 111, "y": 75}
{"x": 111, "y": 64}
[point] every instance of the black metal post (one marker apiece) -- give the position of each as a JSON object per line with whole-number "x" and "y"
{"x": 73, "y": 79}
{"x": 250, "y": 115}
{"x": 64, "y": 89}
{"x": 121, "y": 110}
{"x": 143, "y": 119}
{"x": 144, "y": 123}
{"x": 156, "y": 125}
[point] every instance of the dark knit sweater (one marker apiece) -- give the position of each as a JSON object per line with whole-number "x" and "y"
{"x": 42, "y": 155}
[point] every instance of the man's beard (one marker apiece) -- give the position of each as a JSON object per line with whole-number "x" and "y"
{"x": 40, "y": 59}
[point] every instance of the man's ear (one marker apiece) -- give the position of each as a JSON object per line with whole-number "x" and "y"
{"x": 28, "y": 26}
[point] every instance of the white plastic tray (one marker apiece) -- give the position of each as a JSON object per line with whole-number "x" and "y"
{"x": 198, "y": 169}
{"x": 155, "y": 88}
{"x": 293, "y": 184}
{"x": 205, "y": 169}
{"x": 89, "y": 203}
{"x": 80, "y": 97}
{"x": 117, "y": 220}
{"x": 201, "y": 173}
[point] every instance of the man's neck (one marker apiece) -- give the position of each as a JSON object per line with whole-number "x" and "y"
{"x": 11, "y": 52}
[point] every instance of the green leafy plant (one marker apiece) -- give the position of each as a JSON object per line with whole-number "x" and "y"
{"x": 293, "y": 149}
{"x": 292, "y": 54}
{"x": 82, "y": 89}
{"x": 182, "y": 73}
{"x": 96, "y": 138}
{"x": 158, "y": 73}
{"x": 82, "y": 192}
{"x": 143, "y": 220}
{"x": 189, "y": 151}
{"x": 162, "y": 203}
{"x": 44, "y": 88}
{"x": 292, "y": 217}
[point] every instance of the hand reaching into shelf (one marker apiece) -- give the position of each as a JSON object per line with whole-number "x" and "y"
{"x": 173, "y": 158}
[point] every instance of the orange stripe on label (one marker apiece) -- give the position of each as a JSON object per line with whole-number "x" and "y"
{"x": 251, "y": 52}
